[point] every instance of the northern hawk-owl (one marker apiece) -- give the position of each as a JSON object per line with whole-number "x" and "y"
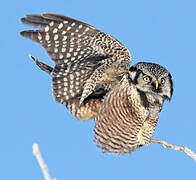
{"x": 93, "y": 79}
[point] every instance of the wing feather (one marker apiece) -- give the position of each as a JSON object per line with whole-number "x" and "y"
{"x": 78, "y": 50}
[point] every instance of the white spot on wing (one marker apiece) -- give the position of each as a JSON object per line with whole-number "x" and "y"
{"x": 46, "y": 29}
{"x": 82, "y": 71}
{"x": 55, "y": 30}
{"x": 72, "y": 39}
{"x": 66, "y": 97}
{"x": 60, "y": 92}
{"x": 72, "y": 94}
{"x": 77, "y": 74}
{"x": 68, "y": 28}
{"x": 71, "y": 86}
{"x": 64, "y": 38}
{"x": 47, "y": 37}
{"x": 74, "y": 68}
{"x": 73, "y": 24}
{"x": 60, "y": 56}
{"x": 87, "y": 29}
{"x": 73, "y": 58}
{"x": 77, "y": 83}
{"x": 55, "y": 50}
{"x": 71, "y": 76}
{"x": 51, "y": 23}
{"x": 56, "y": 37}
{"x": 68, "y": 55}
{"x": 63, "y": 49}
{"x": 71, "y": 49}
{"x": 78, "y": 90}
{"x": 80, "y": 26}
{"x": 65, "y": 83}
{"x": 39, "y": 36}
{"x": 60, "y": 25}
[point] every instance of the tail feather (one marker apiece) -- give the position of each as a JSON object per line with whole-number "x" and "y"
{"x": 41, "y": 65}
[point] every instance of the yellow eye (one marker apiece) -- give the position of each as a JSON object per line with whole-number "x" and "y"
{"x": 146, "y": 78}
{"x": 162, "y": 81}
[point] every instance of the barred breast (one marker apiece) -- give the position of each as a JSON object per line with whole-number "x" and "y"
{"x": 120, "y": 119}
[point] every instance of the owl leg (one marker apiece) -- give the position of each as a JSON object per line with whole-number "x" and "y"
{"x": 41, "y": 65}
{"x": 146, "y": 132}
{"x": 141, "y": 140}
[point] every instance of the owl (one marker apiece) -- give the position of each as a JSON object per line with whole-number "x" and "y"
{"x": 92, "y": 77}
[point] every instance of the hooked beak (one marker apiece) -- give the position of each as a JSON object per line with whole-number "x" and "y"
{"x": 156, "y": 84}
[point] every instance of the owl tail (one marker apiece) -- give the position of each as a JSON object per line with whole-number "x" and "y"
{"x": 41, "y": 65}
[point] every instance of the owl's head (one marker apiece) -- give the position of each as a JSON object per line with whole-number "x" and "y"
{"x": 152, "y": 78}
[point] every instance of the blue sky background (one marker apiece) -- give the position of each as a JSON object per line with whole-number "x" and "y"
{"x": 163, "y": 32}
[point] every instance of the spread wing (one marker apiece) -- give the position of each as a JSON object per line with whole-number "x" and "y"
{"x": 77, "y": 49}
{"x": 120, "y": 120}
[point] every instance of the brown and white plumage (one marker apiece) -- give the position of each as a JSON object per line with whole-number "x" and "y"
{"x": 82, "y": 55}
{"x": 92, "y": 79}
{"x": 123, "y": 123}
